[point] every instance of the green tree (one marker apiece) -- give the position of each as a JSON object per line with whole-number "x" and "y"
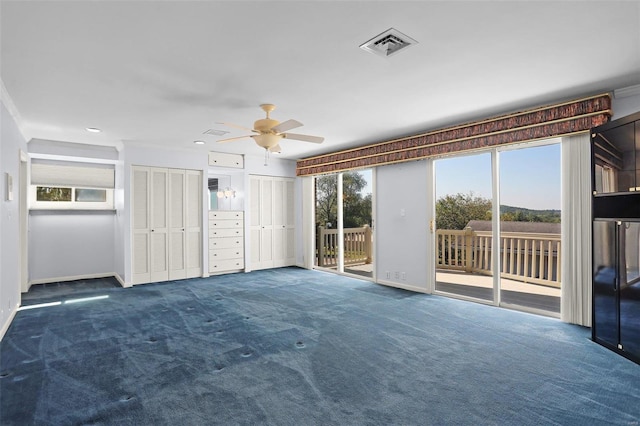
{"x": 356, "y": 207}
{"x": 455, "y": 211}
{"x": 327, "y": 200}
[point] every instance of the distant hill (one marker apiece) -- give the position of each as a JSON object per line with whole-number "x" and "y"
{"x": 521, "y": 214}
{"x": 504, "y": 209}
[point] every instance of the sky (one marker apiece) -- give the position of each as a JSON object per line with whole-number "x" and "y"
{"x": 529, "y": 177}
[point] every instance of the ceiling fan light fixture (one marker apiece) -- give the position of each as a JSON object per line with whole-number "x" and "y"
{"x": 267, "y": 140}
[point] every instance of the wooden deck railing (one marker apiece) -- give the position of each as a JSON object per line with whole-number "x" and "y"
{"x": 357, "y": 246}
{"x": 527, "y": 257}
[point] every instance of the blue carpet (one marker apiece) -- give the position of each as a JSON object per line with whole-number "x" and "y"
{"x": 296, "y": 347}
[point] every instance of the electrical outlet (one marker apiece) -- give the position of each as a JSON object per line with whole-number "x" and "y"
{"x": 403, "y": 276}
{"x": 388, "y": 275}
{"x": 397, "y": 275}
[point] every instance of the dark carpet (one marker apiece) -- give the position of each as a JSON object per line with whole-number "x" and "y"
{"x": 296, "y": 347}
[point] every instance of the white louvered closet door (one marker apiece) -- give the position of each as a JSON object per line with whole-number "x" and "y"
{"x": 159, "y": 232}
{"x": 272, "y": 224}
{"x": 167, "y": 224}
{"x": 193, "y": 222}
{"x": 140, "y": 225}
{"x": 255, "y": 226}
{"x": 283, "y": 223}
{"x": 177, "y": 236}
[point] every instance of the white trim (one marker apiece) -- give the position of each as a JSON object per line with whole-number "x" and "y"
{"x": 6, "y": 325}
{"x": 13, "y": 111}
{"x": 431, "y": 226}
{"x": 625, "y": 92}
{"x": 121, "y": 281}
{"x": 74, "y": 159}
{"x": 496, "y": 261}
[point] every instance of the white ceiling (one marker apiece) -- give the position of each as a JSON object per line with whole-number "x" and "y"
{"x": 163, "y": 72}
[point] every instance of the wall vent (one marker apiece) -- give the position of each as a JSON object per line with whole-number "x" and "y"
{"x": 388, "y": 43}
{"x": 215, "y": 132}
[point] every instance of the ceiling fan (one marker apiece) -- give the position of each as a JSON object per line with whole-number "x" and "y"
{"x": 270, "y": 132}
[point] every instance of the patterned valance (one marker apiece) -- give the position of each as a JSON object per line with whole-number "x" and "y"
{"x": 540, "y": 123}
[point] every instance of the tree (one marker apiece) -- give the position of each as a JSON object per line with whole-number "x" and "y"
{"x": 455, "y": 211}
{"x": 326, "y": 200}
{"x": 356, "y": 207}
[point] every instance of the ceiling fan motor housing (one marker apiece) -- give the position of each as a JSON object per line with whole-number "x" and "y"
{"x": 264, "y": 125}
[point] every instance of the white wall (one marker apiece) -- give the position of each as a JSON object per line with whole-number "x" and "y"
{"x": 11, "y": 143}
{"x": 402, "y": 225}
{"x": 69, "y": 245}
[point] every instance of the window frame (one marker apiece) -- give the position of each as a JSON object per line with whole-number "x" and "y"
{"x": 35, "y": 204}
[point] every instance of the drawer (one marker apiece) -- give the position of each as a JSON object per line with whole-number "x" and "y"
{"x": 226, "y": 265}
{"x": 224, "y": 243}
{"x": 219, "y": 223}
{"x": 226, "y": 232}
{"x": 225, "y": 254}
{"x": 226, "y": 214}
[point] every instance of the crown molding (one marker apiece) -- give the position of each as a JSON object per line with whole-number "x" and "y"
{"x": 625, "y": 92}
{"x": 13, "y": 111}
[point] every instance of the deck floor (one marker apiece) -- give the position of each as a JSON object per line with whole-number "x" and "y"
{"x": 512, "y": 292}
{"x": 479, "y": 286}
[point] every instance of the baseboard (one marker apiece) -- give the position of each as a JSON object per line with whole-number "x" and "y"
{"x": 121, "y": 281}
{"x": 6, "y": 325}
{"x": 403, "y": 286}
{"x": 79, "y": 277}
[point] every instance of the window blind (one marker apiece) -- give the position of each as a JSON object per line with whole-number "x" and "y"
{"x": 66, "y": 174}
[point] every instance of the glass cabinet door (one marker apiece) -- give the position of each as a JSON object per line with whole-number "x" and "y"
{"x": 630, "y": 287}
{"x": 605, "y": 276}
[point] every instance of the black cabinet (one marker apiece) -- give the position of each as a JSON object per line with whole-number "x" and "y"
{"x": 616, "y": 235}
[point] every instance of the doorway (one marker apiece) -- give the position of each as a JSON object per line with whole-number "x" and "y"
{"x": 344, "y": 222}
{"x": 511, "y": 255}
{"x": 463, "y": 228}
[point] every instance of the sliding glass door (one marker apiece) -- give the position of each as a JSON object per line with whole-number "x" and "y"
{"x": 520, "y": 267}
{"x": 530, "y": 227}
{"x": 344, "y": 219}
{"x": 463, "y": 226}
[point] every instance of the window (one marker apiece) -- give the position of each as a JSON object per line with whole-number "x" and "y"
{"x": 70, "y": 198}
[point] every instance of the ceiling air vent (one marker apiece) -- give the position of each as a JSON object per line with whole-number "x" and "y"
{"x": 388, "y": 43}
{"x": 215, "y": 132}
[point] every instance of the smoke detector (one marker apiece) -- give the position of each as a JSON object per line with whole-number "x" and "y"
{"x": 388, "y": 43}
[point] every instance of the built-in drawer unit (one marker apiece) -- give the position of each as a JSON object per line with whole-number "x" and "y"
{"x": 226, "y": 241}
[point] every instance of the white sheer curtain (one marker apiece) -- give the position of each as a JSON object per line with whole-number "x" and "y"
{"x": 576, "y": 230}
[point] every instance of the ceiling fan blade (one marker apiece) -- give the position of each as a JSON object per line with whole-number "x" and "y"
{"x": 237, "y": 126}
{"x": 286, "y": 125}
{"x": 233, "y": 139}
{"x": 276, "y": 148}
{"x": 306, "y": 138}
